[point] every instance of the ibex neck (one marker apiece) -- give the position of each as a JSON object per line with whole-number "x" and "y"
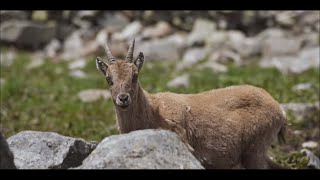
{"x": 139, "y": 116}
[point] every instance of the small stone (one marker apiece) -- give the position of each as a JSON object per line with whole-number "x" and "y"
{"x": 303, "y": 86}
{"x": 310, "y": 144}
{"x": 91, "y": 95}
{"x": 297, "y": 132}
{"x": 7, "y": 58}
{"x": 52, "y": 48}
{"x": 77, "y": 64}
{"x": 180, "y": 81}
{"x": 77, "y": 73}
{"x": 314, "y": 161}
{"x": 192, "y": 57}
{"x": 214, "y": 67}
{"x": 72, "y": 46}
{"x": 2, "y": 81}
{"x": 201, "y": 30}
{"x": 161, "y": 29}
{"x": 36, "y": 62}
{"x": 129, "y": 31}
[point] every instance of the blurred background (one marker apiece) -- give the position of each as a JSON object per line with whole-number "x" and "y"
{"x": 49, "y": 81}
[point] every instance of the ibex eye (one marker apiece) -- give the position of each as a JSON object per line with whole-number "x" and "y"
{"x": 109, "y": 81}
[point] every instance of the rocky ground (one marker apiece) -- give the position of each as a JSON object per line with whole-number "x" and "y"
{"x": 144, "y": 149}
{"x": 49, "y": 82}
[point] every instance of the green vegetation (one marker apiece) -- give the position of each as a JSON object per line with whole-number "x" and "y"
{"x": 46, "y": 98}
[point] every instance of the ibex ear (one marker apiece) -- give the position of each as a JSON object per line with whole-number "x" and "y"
{"x": 101, "y": 66}
{"x": 139, "y": 61}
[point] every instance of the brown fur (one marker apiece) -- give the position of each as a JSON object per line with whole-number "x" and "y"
{"x": 230, "y": 127}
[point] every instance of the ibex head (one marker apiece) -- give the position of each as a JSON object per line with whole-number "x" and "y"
{"x": 122, "y": 76}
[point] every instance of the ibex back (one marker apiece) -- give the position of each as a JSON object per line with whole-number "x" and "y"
{"x": 231, "y": 127}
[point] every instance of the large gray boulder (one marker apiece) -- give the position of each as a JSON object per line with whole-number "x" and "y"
{"x": 6, "y": 156}
{"x": 143, "y": 149}
{"x": 48, "y": 150}
{"x": 201, "y": 30}
{"x": 27, "y": 34}
{"x": 165, "y": 49}
{"x": 307, "y": 58}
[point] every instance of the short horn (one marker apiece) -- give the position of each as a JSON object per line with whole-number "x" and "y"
{"x": 129, "y": 57}
{"x": 109, "y": 55}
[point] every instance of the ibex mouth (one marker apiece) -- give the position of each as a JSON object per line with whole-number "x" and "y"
{"x": 124, "y": 106}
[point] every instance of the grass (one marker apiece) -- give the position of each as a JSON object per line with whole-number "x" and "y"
{"x": 45, "y": 98}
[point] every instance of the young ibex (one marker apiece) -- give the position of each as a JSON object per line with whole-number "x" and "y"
{"x": 231, "y": 127}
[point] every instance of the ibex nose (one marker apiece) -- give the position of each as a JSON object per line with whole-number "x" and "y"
{"x": 123, "y": 98}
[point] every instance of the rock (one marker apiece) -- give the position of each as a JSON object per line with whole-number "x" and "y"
{"x": 2, "y": 81}
{"x": 309, "y": 18}
{"x": 281, "y": 46}
{"x": 52, "y": 48}
{"x": 129, "y": 31}
{"x": 102, "y": 37}
{"x": 245, "y": 47}
{"x": 202, "y": 29}
{"x": 113, "y": 22}
{"x": 314, "y": 161}
{"x": 165, "y": 49}
{"x": 77, "y": 64}
{"x": 285, "y": 18}
{"x": 303, "y": 86}
{"x": 22, "y": 33}
{"x": 214, "y": 67}
{"x": 91, "y": 95}
{"x": 73, "y": 46}
{"x": 39, "y": 15}
{"x": 90, "y": 48}
{"x": 13, "y": 15}
{"x": 310, "y": 144}
{"x": 48, "y": 150}
{"x": 217, "y": 40}
{"x": 307, "y": 58}
{"x": 6, "y": 156}
{"x": 81, "y": 23}
{"x": 64, "y": 30}
{"x": 77, "y": 73}
{"x": 36, "y": 61}
{"x": 180, "y": 81}
{"x": 271, "y": 33}
{"x": 235, "y": 41}
{"x": 84, "y": 19}
{"x": 87, "y": 14}
{"x": 282, "y": 63}
{"x": 119, "y": 49}
{"x": 192, "y": 57}
{"x": 143, "y": 149}
{"x": 7, "y": 58}
{"x": 235, "y": 36}
{"x": 225, "y": 56}
{"x": 302, "y": 111}
{"x": 161, "y": 29}
{"x": 310, "y": 39}
{"x": 298, "y": 132}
